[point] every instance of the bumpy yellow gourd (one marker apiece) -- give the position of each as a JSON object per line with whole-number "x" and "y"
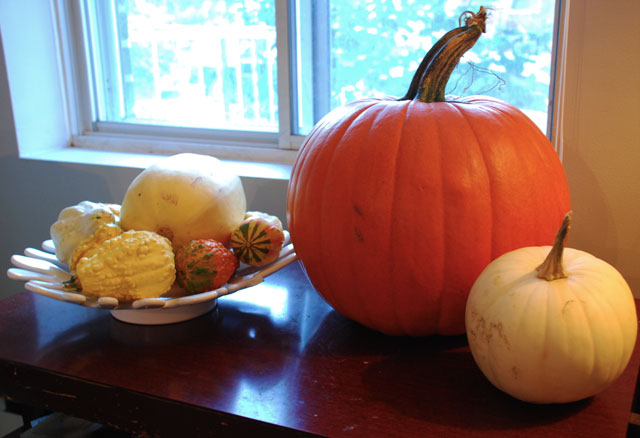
{"x": 78, "y": 222}
{"x": 92, "y": 244}
{"x": 130, "y": 266}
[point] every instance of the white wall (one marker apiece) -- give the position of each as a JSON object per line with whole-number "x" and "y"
{"x": 602, "y": 132}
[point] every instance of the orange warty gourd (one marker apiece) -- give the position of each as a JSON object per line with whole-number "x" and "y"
{"x": 395, "y": 206}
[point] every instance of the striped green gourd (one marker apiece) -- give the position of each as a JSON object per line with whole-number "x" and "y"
{"x": 258, "y": 239}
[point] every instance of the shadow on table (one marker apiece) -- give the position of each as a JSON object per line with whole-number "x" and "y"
{"x": 433, "y": 379}
{"x": 447, "y": 388}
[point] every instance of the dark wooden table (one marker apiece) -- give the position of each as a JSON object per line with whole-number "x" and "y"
{"x": 273, "y": 360}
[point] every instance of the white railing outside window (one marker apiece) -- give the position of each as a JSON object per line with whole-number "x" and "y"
{"x": 202, "y": 74}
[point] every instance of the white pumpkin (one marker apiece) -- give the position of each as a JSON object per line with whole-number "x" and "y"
{"x": 77, "y": 222}
{"x": 184, "y": 197}
{"x": 548, "y": 327}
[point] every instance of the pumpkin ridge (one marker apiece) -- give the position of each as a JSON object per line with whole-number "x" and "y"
{"x": 530, "y": 152}
{"x": 381, "y": 115}
{"x": 490, "y": 179}
{"x": 435, "y": 309}
{"x": 427, "y": 303}
{"x": 593, "y": 364}
{"x": 442, "y": 288}
{"x": 561, "y": 334}
{"x": 336, "y": 141}
{"x": 493, "y": 308}
{"x": 510, "y": 111}
{"x": 306, "y": 154}
{"x": 398, "y": 135}
{"x": 447, "y": 296}
{"x": 586, "y": 327}
{"x": 603, "y": 303}
{"x": 517, "y": 117}
{"x": 359, "y": 156}
{"x": 302, "y": 157}
{"x": 528, "y": 305}
{"x": 364, "y": 211}
{"x": 511, "y": 116}
{"x": 542, "y": 162}
{"x": 541, "y": 288}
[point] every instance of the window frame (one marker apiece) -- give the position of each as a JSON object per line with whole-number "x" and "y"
{"x": 72, "y": 23}
{"x": 69, "y": 135}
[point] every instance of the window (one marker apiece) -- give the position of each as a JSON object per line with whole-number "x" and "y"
{"x": 186, "y": 63}
{"x": 375, "y": 47}
{"x": 260, "y": 73}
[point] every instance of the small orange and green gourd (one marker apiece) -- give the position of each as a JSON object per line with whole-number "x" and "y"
{"x": 258, "y": 239}
{"x": 204, "y": 265}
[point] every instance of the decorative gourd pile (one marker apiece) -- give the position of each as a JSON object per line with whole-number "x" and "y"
{"x": 175, "y": 222}
{"x": 396, "y": 205}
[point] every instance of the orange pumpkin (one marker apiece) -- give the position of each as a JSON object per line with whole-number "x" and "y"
{"x": 395, "y": 206}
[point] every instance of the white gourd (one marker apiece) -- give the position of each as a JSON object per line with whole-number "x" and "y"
{"x": 185, "y": 197}
{"x": 551, "y": 325}
{"x": 78, "y": 222}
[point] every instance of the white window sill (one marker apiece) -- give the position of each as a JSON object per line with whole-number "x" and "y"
{"x": 74, "y": 155}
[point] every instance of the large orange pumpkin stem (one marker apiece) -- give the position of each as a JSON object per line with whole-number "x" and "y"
{"x": 552, "y": 268}
{"x": 431, "y": 77}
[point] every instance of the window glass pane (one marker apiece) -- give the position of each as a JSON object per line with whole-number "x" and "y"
{"x": 375, "y": 47}
{"x": 194, "y": 63}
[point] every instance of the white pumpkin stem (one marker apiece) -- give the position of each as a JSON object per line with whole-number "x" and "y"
{"x": 552, "y": 267}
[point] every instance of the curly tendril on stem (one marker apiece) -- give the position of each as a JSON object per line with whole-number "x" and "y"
{"x": 470, "y": 18}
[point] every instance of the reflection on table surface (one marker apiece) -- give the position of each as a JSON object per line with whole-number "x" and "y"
{"x": 279, "y": 354}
